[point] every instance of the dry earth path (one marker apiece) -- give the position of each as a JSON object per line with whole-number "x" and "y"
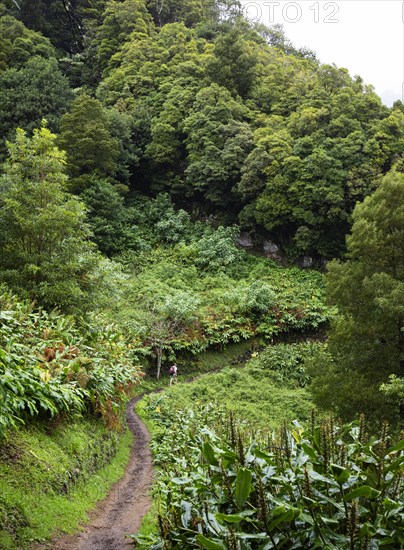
{"x": 126, "y": 504}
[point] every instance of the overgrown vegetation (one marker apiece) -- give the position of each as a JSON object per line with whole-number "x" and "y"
{"x": 51, "y": 367}
{"x": 204, "y": 291}
{"x": 366, "y": 344}
{"x": 141, "y": 140}
{"x": 189, "y": 98}
{"x": 325, "y": 486}
{"x": 269, "y": 390}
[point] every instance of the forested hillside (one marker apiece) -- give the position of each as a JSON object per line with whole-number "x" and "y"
{"x": 178, "y": 184}
{"x": 188, "y": 98}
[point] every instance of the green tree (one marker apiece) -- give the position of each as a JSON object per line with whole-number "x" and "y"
{"x": 120, "y": 20}
{"x": 234, "y": 64}
{"x": 166, "y": 318}
{"x": 18, "y": 44}
{"x": 367, "y": 341}
{"x": 191, "y": 12}
{"x": 218, "y": 141}
{"x": 35, "y": 91}
{"x": 62, "y": 21}
{"x": 44, "y": 243}
{"x": 86, "y": 137}
{"x": 217, "y": 250}
{"x": 108, "y": 216}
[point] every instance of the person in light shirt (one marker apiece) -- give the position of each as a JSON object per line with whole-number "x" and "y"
{"x": 173, "y": 373}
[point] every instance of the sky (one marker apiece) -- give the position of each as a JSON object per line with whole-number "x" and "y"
{"x": 364, "y": 36}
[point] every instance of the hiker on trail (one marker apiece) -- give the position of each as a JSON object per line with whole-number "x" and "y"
{"x": 173, "y": 373}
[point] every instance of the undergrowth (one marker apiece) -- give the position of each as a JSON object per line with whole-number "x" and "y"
{"x": 222, "y": 488}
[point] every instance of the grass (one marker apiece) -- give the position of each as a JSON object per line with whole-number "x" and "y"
{"x": 194, "y": 366}
{"x": 39, "y": 494}
{"x": 268, "y": 392}
{"x": 148, "y": 528}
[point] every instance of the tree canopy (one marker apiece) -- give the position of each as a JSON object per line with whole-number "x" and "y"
{"x": 45, "y": 247}
{"x": 191, "y": 99}
{"x": 367, "y": 340}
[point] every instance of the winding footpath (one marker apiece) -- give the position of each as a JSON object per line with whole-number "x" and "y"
{"x": 127, "y": 503}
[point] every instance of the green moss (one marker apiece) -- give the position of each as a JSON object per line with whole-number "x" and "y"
{"x": 51, "y": 478}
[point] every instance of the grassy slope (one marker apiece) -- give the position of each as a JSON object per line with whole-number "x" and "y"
{"x": 267, "y": 392}
{"x": 52, "y": 477}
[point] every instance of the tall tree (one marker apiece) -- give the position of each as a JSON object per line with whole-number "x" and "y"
{"x": 85, "y": 136}
{"x": 108, "y": 217}
{"x": 218, "y": 141}
{"x": 35, "y": 91}
{"x": 367, "y": 341}
{"x": 166, "y": 317}
{"x": 44, "y": 244}
{"x": 18, "y": 44}
{"x": 120, "y": 20}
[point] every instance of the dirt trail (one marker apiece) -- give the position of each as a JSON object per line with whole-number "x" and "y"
{"x": 128, "y": 500}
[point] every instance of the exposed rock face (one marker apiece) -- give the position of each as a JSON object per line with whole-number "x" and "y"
{"x": 272, "y": 251}
{"x": 306, "y": 262}
{"x": 270, "y": 248}
{"x": 244, "y": 240}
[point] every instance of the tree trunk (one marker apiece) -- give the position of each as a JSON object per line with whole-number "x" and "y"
{"x": 159, "y": 352}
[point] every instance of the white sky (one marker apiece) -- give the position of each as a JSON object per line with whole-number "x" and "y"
{"x": 364, "y": 36}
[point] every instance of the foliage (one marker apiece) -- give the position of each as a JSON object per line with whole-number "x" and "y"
{"x": 225, "y": 115}
{"x": 250, "y": 297}
{"x": 108, "y": 217}
{"x": 63, "y": 23}
{"x": 247, "y": 130}
{"x": 217, "y": 250}
{"x": 166, "y": 318}
{"x": 51, "y": 366}
{"x": 45, "y": 248}
{"x": 217, "y": 143}
{"x": 327, "y": 487}
{"x": 119, "y": 21}
{"x": 191, "y": 12}
{"x": 18, "y": 44}
{"x": 54, "y": 474}
{"x": 85, "y": 136}
{"x": 367, "y": 340}
{"x": 33, "y": 92}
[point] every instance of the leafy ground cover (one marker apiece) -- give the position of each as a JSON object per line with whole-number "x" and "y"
{"x": 64, "y": 384}
{"x": 321, "y": 487}
{"x": 177, "y": 306}
{"x": 51, "y": 365}
{"x": 270, "y": 390}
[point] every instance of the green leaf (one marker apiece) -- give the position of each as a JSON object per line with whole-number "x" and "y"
{"x": 364, "y": 491}
{"x": 209, "y": 453}
{"x": 230, "y": 518}
{"x": 260, "y": 454}
{"x": 243, "y": 486}
{"x": 367, "y": 530}
{"x": 289, "y": 515}
{"x": 340, "y": 473}
{"x": 396, "y": 448}
{"x": 180, "y": 480}
{"x": 209, "y": 544}
{"x": 186, "y": 516}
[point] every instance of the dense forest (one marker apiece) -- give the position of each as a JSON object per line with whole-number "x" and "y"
{"x": 180, "y": 184}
